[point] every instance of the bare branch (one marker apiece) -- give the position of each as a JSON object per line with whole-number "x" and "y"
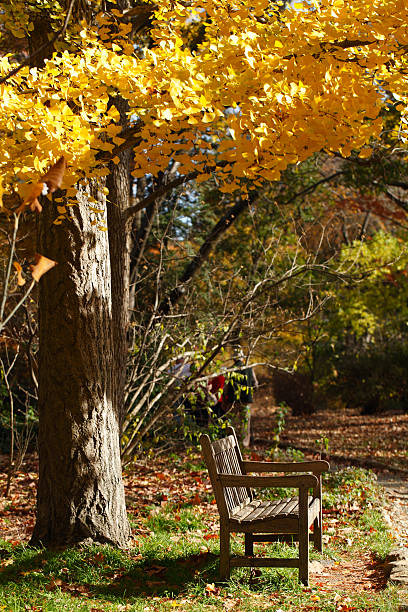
{"x": 311, "y": 188}
{"x": 17, "y": 306}
{"x": 9, "y": 265}
{"x": 158, "y": 193}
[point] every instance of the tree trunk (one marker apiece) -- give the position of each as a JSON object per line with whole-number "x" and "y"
{"x": 80, "y": 491}
{"x": 118, "y": 183}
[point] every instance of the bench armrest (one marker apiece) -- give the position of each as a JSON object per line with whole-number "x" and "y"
{"x": 317, "y": 467}
{"x": 234, "y": 480}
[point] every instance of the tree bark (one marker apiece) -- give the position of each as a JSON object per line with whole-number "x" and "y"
{"x": 118, "y": 183}
{"x": 80, "y": 491}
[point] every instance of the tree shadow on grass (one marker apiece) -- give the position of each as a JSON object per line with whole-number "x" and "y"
{"x": 161, "y": 576}
{"x": 147, "y": 576}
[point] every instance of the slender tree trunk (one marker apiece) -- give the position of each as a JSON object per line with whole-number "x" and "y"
{"x": 80, "y": 492}
{"x": 118, "y": 183}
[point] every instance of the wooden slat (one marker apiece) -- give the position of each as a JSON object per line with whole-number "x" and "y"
{"x": 223, "y": 444}
{"x": 234, "y": 480}
{"x": 257, "y": 510}
{"x": 263, "y": 510}
{"x": 234, "y": 469}
{"x": 231, "y": 431}
{"x": 227, "y": 461}
{"x": 256, "y": 513}
{"x": 209, "y": 459}
{"x": 292, "y": 507}
{"x": 242, "y": 513}
{"x": 241, "y": 491}
{"x": 317, "y": 467}
{"x": 277, "y": 509}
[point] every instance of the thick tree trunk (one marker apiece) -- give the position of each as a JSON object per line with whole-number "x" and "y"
{"x": 80, "y": 492}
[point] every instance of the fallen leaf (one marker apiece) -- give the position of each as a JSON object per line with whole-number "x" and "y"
{"x": 196, "y": 500}
{"x": 211, "y": 589}
{"x": 99, "y": 558}
{"x": 42, "y": 265}
{"x": 53, "y": 178}
{"x": 31, "y": 200}
{"x": 20, "y": 280}
{"x": 53, "y": 584}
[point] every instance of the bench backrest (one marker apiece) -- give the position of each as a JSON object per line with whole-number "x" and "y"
{"x": 224, "y": 457}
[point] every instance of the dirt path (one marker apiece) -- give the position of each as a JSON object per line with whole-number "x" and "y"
{"x": 346, "y": 437}
{"x": 396, "y": 512}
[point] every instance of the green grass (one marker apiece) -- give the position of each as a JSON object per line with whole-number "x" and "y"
{"x": 174, "y": 566}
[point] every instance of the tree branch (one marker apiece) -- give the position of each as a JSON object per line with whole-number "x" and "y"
{"x": 49, "y": 43}
{"x": 196, "y": 263}
{"x": 161, "y": 191}
{"x": 311, "y": 188}
{"x": 20, "y": 303}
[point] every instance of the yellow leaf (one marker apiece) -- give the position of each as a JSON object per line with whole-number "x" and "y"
{"x": 208, "y": 117}
{"x": 202, "y": 177}
{"x": 364, "y": 153}
{"x": 20, "y": 279}
{"x": 42, "y": 265}
{"x": 167, "y": 114}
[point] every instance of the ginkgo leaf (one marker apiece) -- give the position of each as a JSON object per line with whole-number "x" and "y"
{"x": 35, "y": 206}
{"x": 365, "y": 152}
{"x": 42, "y": 265}
{"x": 20, "y": 280}
{"x": 32, "y": 199}
{"x": 53, "y": 178}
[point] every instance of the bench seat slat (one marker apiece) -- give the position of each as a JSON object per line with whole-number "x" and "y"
{"x": 257, "y": 510}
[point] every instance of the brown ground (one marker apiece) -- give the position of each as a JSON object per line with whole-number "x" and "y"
{"x": 381, "y": 438}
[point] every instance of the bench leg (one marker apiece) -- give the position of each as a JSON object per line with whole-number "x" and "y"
{"x": 304, "y": 557}
{"x": 249, "y": 545}
{"x": 317, "y": 534}
{"x": 224, "y": 552}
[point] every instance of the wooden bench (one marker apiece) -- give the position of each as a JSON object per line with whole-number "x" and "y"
{"x": 240, "y": 511}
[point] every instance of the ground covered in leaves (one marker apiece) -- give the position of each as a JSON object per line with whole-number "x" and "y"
{"x": 172, "y": 561}
{"x": 378, "y": 440}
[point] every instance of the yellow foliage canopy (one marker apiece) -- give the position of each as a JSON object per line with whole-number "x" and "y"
{"x": 271, "y": 88}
